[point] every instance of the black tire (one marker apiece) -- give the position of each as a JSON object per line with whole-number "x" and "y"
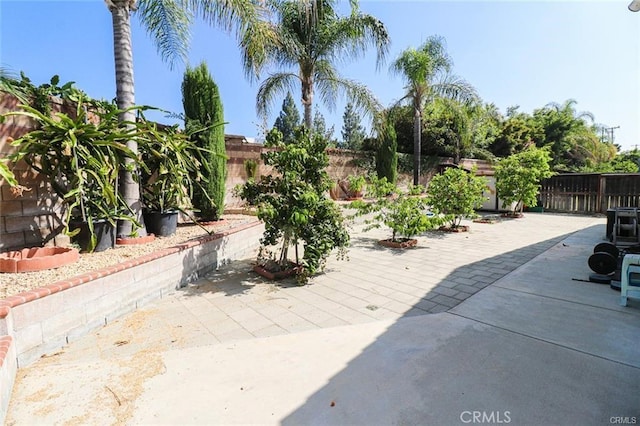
{"x": 607, "y": 248}
{"x": 600, "y": 279}
{"x": 603, "y": 263}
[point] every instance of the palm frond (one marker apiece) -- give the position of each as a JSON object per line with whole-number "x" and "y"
{"x": 349, "y": 38}
{"x": 454, "y": 87}
{"x": 276, "y": 84}
{"x": 362, "y": 98}
{"x": 227, "y": 14}
{"x": 167, "y": 22}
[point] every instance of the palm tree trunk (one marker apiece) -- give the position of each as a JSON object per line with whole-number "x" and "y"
{"x": 307, "y": 101}
{"x": 417, "y": 149}
{"x": 125, "y": 98}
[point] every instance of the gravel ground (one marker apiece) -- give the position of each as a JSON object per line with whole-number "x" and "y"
{"x": 11, "y": 284}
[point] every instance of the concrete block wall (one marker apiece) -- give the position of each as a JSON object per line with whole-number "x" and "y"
{"x": 48, "y": 318}
{"x": 342, "y": 163}
{"x": 29, "y": 217}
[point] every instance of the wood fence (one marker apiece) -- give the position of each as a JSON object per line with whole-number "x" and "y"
{"x": 590, "y": 193}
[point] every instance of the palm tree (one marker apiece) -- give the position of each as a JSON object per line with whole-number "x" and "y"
{"x": 308, "y": 37}
{"x": 168, "y": 23}
{"x": 568, "y": 132}
{"x": 426, "y": 71}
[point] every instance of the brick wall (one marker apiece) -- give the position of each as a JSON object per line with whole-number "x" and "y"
{"x": 341, "y": 164}
{"x": 34, "y": 218}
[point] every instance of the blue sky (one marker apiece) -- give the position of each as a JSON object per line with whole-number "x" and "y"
{"x": 526, "y": 53}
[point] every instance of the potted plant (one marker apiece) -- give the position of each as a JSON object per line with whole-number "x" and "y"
{"x": 169, "y": 171}
{"x": 80, "y": 158}
{"x": 334, "y": 191}
{"x": 292, "y": 203}
{"x": 456, "y": 194}
{"x": 353, "y": 186}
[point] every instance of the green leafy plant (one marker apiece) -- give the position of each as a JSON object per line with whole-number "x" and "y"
{"x": 80, "y": 160}
{"x": 387, "y": 155}
{"x": 250, "y": 168}
{"x": 39, "y": 97}
{"x": 293, "y": 205}
{"x": 171, "y": 168}
{"x": 6, "y": 173}
{"x": 518, "y": 177}
{"x": 204, "y": 122}
{"x": 405, "y": 216}
{"x": 353, "y": 185}
{"x": 457, "y": 193}
{"x": 380, "y": 187}
{"x": 415, "y": 189}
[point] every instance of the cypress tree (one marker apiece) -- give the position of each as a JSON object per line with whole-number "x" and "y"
{"x": 387, "y": 155}
{"x": 204, "y": 122}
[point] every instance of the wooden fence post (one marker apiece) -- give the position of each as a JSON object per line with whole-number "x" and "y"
{"x": 601, "y": 196}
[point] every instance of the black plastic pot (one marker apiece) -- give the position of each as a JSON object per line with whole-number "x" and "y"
{"x": 161, "y": 224}
{"x": 104, "y": 231}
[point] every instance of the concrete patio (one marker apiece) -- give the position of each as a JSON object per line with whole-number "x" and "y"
{"x": 512, "y": 339}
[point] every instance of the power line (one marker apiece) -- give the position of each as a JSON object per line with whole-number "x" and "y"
{"x": 609, "y": 131}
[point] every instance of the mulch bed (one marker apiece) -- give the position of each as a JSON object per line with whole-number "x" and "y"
{"x": 461, "y": 228}
{"x": 399, "y": 243}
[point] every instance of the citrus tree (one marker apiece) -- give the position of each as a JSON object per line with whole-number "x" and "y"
{"x": 292, "y": 202}
{"x": 405, "y": 215}
{"x": 457, "y": 193}
{"x": 518, "y": 177}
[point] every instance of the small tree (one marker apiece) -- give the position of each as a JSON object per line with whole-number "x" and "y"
{"x": 405, "y": 216}
{"x": 456, "y": 193}
{"x": 352, "y": 131}
{"x": 293, "y": 205}
{"x": 288, "y": 119}
{"x": 387, "y": 155}
{"x": 204, "y": 122}
{"x": 518, "y": 177}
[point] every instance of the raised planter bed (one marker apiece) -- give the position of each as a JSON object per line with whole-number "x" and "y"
{"x": 37, "y": 259}
{"x": 212, "y": 222}
{"x": 401, "y": 243}
{"x": 45, "y": 319}
{"x": 276, "y": 275}
{"x": 131, "y": 241}
{"x": 461, "y": 228}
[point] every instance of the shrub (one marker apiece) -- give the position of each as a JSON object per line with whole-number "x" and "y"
{"x": 353, "y": 185}
{"x": 405, "y": 216}
{"x": 204, "y": 122}
{"x": 518, "y": 177}
{"x": 380, "y": 187}
{"x": 293, "y": 205}
{"x": 80, "y": 160}
{"x": 456, "y": 193}
{"x": 387, "y": 156}
{"x": 250, "y": 168}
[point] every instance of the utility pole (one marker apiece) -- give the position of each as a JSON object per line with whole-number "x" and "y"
{"x": 609, "y": 131}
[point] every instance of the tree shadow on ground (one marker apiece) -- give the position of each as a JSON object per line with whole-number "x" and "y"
{"x": 432, "y": 369}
